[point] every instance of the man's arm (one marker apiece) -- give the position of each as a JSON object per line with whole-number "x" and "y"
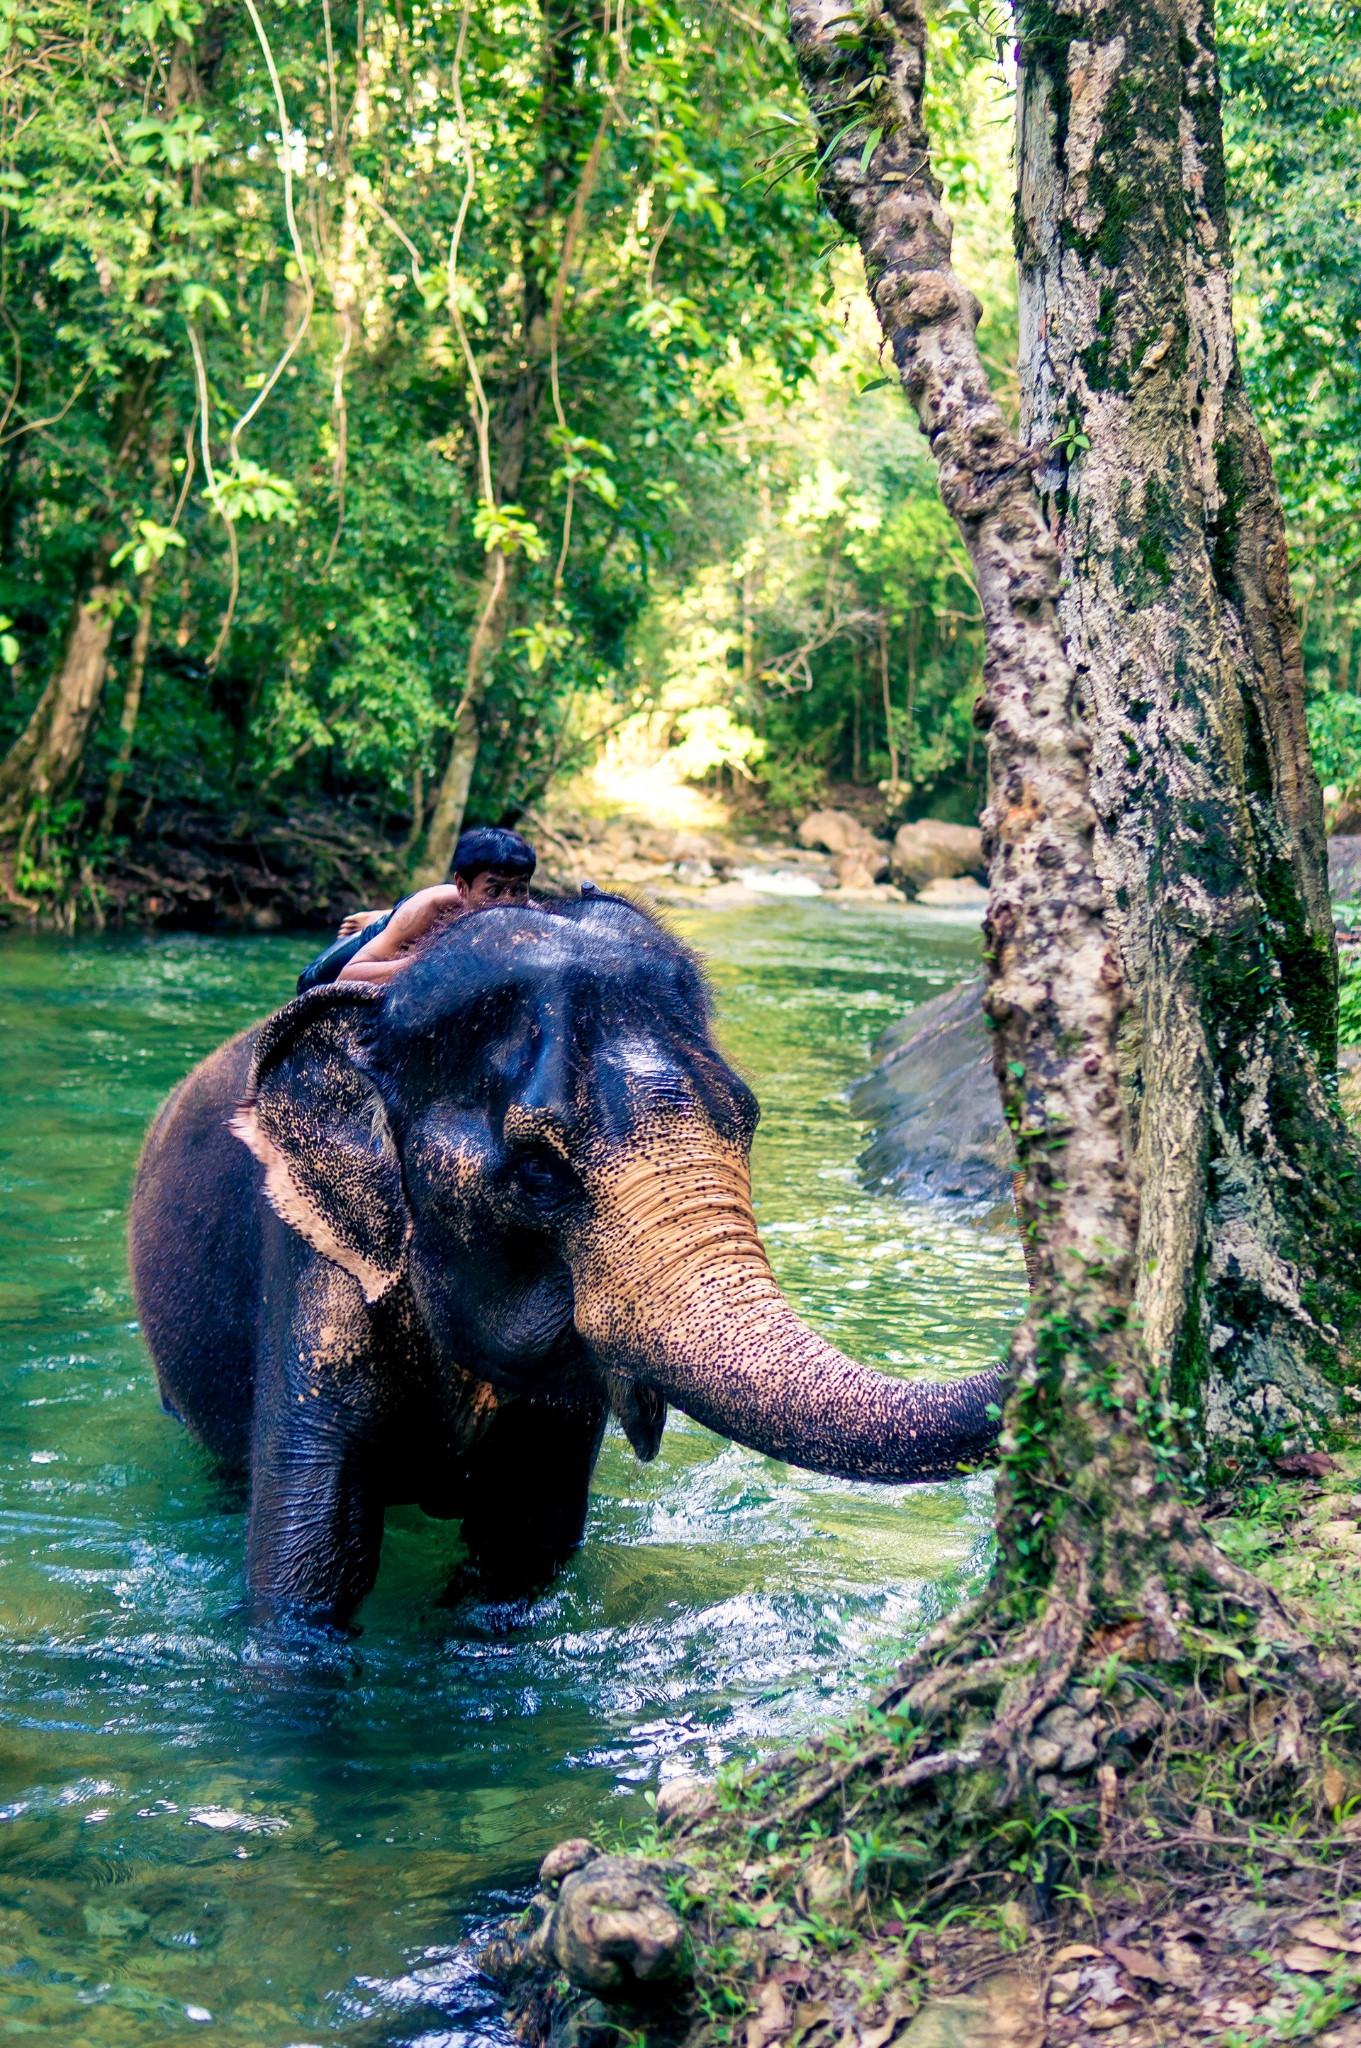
{"x": 384, "y": 955}
{"x": 328, "y": 966}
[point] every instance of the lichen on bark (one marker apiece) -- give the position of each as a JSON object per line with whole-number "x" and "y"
{"x": 1177, "y": 612}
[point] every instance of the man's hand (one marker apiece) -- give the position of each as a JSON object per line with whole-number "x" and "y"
{"x": 357, "y": 920}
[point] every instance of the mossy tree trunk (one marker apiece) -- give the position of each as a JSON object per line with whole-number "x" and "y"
{"x": 1098, "y": 1545}
{"x": 1177, "y": 613}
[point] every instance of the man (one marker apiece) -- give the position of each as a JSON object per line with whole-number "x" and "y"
{"x": 490, "y": 866}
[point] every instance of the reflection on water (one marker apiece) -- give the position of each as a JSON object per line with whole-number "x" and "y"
{"x": 201, "y": 1835}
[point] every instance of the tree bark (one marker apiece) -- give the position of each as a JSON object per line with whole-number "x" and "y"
{"x": 1095, "y": 1533}
{"x": 45, "y": 759}
{"x": 1177, "y": 612}
{"x": 446, "y": 820}
{"x": 1054, "y": 989}
{"x": 132, "y": 702}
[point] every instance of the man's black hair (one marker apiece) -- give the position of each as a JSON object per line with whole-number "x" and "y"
{"x": 492, "y": 847}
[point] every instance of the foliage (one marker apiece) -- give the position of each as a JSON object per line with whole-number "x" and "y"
{"x": 838, "y": 610}
{"x": 848, "y": 595}
{"x": 1335, "y": 737}
{"x": 235, "y": 376}
{"x": 1349, "y": 1003}
{"x": 1293, "y": 138}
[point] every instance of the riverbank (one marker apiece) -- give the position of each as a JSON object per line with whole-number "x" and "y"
{"x": 188, "y": 869}
{"x": 806, "y": 1910}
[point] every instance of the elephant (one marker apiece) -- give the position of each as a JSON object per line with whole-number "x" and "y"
{"x": 417, "y": 1242}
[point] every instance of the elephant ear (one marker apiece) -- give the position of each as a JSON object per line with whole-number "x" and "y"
{"x": 641, "y": 1413}
{"x": 315, "y": 1121}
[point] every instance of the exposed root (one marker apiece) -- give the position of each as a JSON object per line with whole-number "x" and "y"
{"x": 1050, "y": 1804}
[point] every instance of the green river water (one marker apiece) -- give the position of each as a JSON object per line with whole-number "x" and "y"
{"x": 203, "y": 1839}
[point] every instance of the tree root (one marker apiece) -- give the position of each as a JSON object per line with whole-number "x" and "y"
{"x": 1200, "y": 1613}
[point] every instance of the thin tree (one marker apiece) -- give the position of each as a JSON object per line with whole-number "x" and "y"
{"x": 564, "y": 40}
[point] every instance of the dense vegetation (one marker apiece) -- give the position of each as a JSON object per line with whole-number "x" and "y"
{"x": 377, "y": 370}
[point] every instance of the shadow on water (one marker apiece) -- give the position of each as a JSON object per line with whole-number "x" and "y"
{"x": 203, "y": 1830}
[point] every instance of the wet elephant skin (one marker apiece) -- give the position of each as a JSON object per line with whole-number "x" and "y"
{"x": 416, "y": 1244}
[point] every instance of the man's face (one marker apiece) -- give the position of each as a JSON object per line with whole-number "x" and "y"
{"x": 494, "y": 886}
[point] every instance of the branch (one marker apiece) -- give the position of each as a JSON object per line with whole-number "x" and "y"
{"x": 571, "y": 235}
{"x": 286, "y": 171}
{"x": 214, "y": 493}
{"x": 36, "y": 426}
{"x": 481, "y": 410}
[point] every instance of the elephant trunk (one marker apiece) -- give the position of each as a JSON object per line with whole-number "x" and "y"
{"x": 673, "y": 1288}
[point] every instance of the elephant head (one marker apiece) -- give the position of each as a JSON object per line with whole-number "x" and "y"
{"x": 530, "y": 1134}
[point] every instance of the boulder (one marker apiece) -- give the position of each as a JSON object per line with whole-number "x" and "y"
{"x": 928, "y": 850}
{"x": 682, "y": 1799}
{"x": 954, "y": 892}
{"x": 566, "y": 1857}
{"x": 614, "y": 1930}
{"x": 932, "y": 1099}
{"x": 860, "y": 869}
{"x": 617, "y": 842}
{"x": 836, "y": 832}
{"x": 1065, "y": 1740}
{"x": 656, "y": 844}
{"x": 693, "y": 846}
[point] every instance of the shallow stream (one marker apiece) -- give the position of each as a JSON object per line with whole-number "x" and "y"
{"x": 201, "y": 1839}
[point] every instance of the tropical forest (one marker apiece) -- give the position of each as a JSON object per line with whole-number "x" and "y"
{"x": 680, "y": 954}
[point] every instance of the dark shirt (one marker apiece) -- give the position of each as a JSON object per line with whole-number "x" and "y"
{"x": 327, "y": 965}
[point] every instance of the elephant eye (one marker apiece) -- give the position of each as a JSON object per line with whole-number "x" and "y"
{"x": 542, "y": 1174}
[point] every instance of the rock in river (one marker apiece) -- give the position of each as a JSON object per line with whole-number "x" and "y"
{"x": 933, "y": 1101}
{"x": 929, "y": 849}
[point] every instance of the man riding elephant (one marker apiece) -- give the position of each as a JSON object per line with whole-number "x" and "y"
{"x": 415, "y": 1242}
{"x": 490, "y": 865}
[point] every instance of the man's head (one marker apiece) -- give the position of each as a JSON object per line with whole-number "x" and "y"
{"x": 492, "y": 865}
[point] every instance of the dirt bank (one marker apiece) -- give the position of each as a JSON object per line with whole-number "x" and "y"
{"x": 205, "y": 870}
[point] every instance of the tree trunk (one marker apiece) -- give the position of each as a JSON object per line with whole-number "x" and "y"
{"x": 566, "y": 28}
{"x": 889, "y": 740}
{"x": 45, "y": 759}
{"x": 1096, "y": 1538}
{"x": 132, "y": 702}
{"x": 1178, "y": 615}
{"x": 446, "y": 820}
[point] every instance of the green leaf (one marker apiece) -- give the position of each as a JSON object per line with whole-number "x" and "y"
{"x": 195, "y": 296}
{"x": 509, "y": 528}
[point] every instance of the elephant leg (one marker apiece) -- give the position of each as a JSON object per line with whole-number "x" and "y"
{"x": 315, "y": 1530}
{"x": 525, "y": 1490}
{"x": 316, "y": 1500}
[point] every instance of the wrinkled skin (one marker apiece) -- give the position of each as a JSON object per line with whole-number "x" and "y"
{"x": 414, "y": 1243}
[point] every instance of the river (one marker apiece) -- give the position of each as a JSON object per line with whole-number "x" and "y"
{"x": 201, "y": 1839}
